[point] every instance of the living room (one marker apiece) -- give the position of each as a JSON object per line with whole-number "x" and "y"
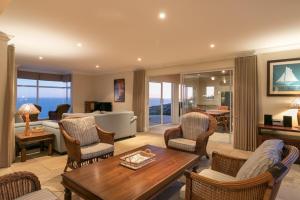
{"x": 86, "y": 88}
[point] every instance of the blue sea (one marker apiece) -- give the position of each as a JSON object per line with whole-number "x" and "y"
{"x": 47, "y": 104}
{"x": 156, "y": 101}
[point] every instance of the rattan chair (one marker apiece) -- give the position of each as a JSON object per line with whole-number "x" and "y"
{"x": 198, "y": 145}
{"x": 74, "y": 150}
{"x": 18, "y": 184}
{"x": 262, "y": 187}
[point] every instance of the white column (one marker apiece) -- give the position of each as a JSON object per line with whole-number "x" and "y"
{"x": 175, "y": 103}
{"x": 3, "y": 84}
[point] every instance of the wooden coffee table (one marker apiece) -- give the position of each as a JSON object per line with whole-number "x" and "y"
{"x": 107, "y": 179}
{"x": 41, "y": 137}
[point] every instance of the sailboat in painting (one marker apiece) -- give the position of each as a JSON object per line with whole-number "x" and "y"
{"x": 287, "y": 81}
{"x": 287, "y": 76}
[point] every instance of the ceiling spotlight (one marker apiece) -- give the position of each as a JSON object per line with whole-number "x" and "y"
{"x": 212, "y": 45}
{"x": 79, "y": 44}
{"x": 223, "y": 71}
{"x": 139, "y": 59}
{"x": 97, "y": 66}
{"x": 212, "y": 78}
{"x": 162, "y": 15}
{"x": 41, "y": 58}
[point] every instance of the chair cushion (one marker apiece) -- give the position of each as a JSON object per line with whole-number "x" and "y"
{"x": 44, "y": 194}
{"x": 193, "y": 124}
{"x": 183, "y": 144}
{"x": 264, "y": 157}
{"x": 95, "y": 150}
{"x": 212, "y": 174}
{"x": 82, "y": 129}
{"x": 209, "y": 173}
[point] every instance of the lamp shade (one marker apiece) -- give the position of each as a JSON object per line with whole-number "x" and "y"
{"x": 28, "y": 109}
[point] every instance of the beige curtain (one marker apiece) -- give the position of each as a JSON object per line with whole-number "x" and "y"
{"x": 245, "y": 103}
{"x": 138, "y": 102}
{"x": 7, "y": 132}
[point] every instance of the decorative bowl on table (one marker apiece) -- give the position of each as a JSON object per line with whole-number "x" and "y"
{"x": 137, "y": 159}
{"x": 37, "y": 129}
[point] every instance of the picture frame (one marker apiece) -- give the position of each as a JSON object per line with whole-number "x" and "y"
{"x": 119, "y": 90}
{"x": 283, "y": 77}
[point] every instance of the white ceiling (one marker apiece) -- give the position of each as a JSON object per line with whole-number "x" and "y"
{"x": 114, "y": 33}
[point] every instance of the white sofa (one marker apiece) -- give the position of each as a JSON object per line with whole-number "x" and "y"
{"x": 123, "y": 124}
{"x": 49, "y": 126}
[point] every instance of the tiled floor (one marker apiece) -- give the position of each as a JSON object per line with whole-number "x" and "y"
{"x": 49, "y": 168}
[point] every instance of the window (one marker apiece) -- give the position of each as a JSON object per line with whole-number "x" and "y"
{"x": 47, "y": 94}
{"x": 210, "y": 92}
{"x": 190, "y": 92}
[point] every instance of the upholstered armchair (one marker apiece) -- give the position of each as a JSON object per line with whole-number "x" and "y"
{"x": 232, "y": 178}
{"x": 85, "y": 141}
{"x": 60, "y": 110}
{"x": 23, "y": 186}
{"x": 193, "y": 133}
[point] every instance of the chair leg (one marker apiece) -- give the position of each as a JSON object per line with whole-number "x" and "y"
{"x": 67, "y": 164}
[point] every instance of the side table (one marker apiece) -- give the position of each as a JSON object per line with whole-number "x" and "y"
{"x": 38, "y": 137}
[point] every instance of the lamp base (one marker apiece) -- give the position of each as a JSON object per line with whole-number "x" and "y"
{"x": 27, "y": 131}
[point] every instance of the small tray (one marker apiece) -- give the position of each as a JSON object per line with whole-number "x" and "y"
{"x": 137, "y": 159}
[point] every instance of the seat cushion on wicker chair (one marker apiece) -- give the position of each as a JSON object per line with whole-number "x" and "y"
{"x": 264, "y": 157}
{"x": 209, "y": 173}
{"x": 96, "y": 150}
{"x": 44, "y": 194}
{"x": 82, "y": 129}
{"x": 193, "y": 124}
{"x": 212, "y": 174}
{"x": 183, "y": 144}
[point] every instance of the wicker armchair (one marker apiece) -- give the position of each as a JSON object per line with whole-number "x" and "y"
{"x": 18, "y": 184}
{"x": 262, "y": 187}
{"x": 199, "y": 125}
{"x": 77, "y": 152}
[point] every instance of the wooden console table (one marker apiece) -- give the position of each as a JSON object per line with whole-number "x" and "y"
{"x": 22, "y": 141}
{"x": 290, "y": 135}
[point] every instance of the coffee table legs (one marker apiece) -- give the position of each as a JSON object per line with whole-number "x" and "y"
{"x": 68, "y": 194}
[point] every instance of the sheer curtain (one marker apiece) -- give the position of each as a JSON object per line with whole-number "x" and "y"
{"x": 245, "y": 103}
{"x": 7, "y": 135}
{"x": 138, "y": 102}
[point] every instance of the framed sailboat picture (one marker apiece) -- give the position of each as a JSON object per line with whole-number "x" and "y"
{"x": 284, "y": 77}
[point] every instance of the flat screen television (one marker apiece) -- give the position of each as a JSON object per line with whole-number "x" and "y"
{"x": 103, "y": 106}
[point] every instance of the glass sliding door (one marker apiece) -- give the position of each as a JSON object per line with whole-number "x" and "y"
{"x": 154, "y": 103}
{"x": 211, "y": 93}
{"x": 167, "y": 102}
{"x": 160, "y": 103}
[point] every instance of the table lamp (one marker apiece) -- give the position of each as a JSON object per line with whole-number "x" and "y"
{"x": 296, "y": 105}
{"x": 26, "y": 110}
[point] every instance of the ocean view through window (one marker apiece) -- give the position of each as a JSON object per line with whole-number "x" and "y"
{"x": 47, "y": 94}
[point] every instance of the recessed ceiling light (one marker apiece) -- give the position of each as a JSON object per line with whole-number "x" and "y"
{"x": 162, "y": 15}
{"x": 139, "y": 59}
{"x": 79, "y": 44}
{"x": 212, "y": 45}
{"x": 212, "y": 78}
{"x": 97, "y": 66}
{"x": 41, "y": 58}
{"x": 223, "y": 71}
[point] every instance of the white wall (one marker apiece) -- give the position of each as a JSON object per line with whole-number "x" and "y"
{"x": 277, "y": 106}
{"x": 104, "y": 90}
{"x": 82, "y": 90}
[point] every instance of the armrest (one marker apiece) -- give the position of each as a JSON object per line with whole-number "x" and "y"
{"x": 212, "y": 189}
{"x": 172, "y": 133}
{"x": 104, "y": 136}
{"x": 72, "y": 145}
{"x": 226, "y": 164}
